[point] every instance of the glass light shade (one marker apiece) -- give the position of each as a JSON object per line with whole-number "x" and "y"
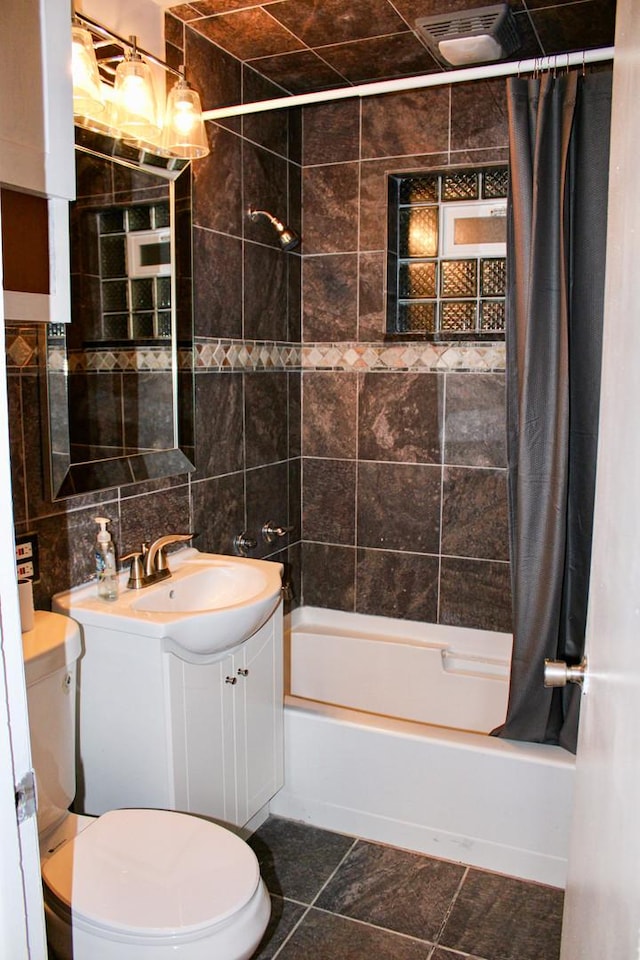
{"x": 184, "y": 131}
{"x": 134, "y": 112}
{"x": 87, "y": 94}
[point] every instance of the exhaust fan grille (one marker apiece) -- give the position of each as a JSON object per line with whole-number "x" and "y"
{"x": 471, "y": 36}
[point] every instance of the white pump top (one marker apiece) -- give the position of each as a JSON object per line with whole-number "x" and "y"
{"x": 103, "y": 534}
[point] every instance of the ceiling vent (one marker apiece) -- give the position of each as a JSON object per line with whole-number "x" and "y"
{"x": 471, "y": 36}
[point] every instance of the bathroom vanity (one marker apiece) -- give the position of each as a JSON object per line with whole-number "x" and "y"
{"x": 162, "y": 726}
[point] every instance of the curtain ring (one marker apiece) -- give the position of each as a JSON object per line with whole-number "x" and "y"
{"x": 584, "y": 71}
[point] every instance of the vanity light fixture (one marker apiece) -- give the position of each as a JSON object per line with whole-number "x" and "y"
{"x": 88, "y": 98}
{"x": 184, "y": 133}
{"x": 120, "y": 98}
{"x": 134, "y": 111}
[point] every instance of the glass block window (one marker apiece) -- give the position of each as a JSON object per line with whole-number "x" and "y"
{"x": 446, "y": 264}
{"x": 132, "y": 308}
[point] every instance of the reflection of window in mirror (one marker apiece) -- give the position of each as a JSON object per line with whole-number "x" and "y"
{"x": 446, "y": 266}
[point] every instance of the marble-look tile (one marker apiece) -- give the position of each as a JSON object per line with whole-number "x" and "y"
{"x": 400, "y": 417}
{"x": 319, "y": 22}
{"x": 16, "y": 448}
{"x": 270, "y": 129}
{"x": 393, "y": 888}
{"x": 153, "y": 515}
{"x": 214, "y": 73}
{"x": 296, "y": 860}
{"x": 330, "y": 198}
{"x": 380, "y": 58}
{"x": 295, "y": 498}
{"x": 372, "y": 320}
{"x": 330, "y": 410}
{"x": 322, "y": 935}
{"x": 148, "y": 409}
{"x": 266, "y": 427}
{"x": 265, "y": 293}
{"x": 265, "y": 187}
{"x": 267, "y": 490}
{"x": 497, "y": 916}
{"x": 392, "y": 584}
{"x": 66, "y": 543}
{"x": 399, "y": 506}
{"x": 567, "y": 27}
{"x": 173, "y": 30}
{"x": 217, "y": 182}
{"x": 218, "y": 512}
{"x": 219, "y": 424}
{"x": 439, "y": 954}
{"x": 374, "y": 190}
{"x": 248, "y": 33}
{"x": 299, "y": 72}
{"x": 328, "y": 500}
{"x": 285, "y": 914}
{"x": 294, "y": 302}
{"x": 95, "y": 408}
{"x": 479, "y": 115}
{"x": 294, "y": 411}
{"x": 475, "y": 421}
{"x": 217, "y": 272}
{"x": 328, "y": 576}
{"x": 404, "y": 123}
{"x": 474, "y": 513}
{"x": 475, "y": 593}
{"x": 330, "y": 287}
{"x": 331, "y": 132}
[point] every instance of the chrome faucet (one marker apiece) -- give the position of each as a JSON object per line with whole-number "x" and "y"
{"x": 149, "y": 565}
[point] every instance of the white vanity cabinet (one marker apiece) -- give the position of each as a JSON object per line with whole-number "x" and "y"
{"x": 158, "y": 730}
{"x": 227, "y": 728}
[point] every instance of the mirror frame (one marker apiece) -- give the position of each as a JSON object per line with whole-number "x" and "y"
{"x": 65, "y": 478}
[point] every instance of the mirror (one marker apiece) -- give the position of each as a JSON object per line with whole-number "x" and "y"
{"x": 119, "y": 377}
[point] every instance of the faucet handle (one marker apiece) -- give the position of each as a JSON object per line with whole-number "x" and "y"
{"x": 271, "y": 531}
{"x": 161, "y": 557}
{"x": 136, "y": 571}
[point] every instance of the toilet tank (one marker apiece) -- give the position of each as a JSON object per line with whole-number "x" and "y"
{"x": 50, "y": 653}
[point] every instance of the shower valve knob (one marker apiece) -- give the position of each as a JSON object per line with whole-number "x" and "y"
{"x": 558, "y": 674}
{"x": 271, "y": 531}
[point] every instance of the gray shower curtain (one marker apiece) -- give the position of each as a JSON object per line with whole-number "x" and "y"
{"x": 559, "y": 151}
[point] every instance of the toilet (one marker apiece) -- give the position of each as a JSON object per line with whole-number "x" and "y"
{"x": 130, "y": 884}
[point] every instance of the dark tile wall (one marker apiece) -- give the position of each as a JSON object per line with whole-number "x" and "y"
{"x": 393, "y": 482}
{"x": 246, "y": 420}
{"x": 404, "y": 509}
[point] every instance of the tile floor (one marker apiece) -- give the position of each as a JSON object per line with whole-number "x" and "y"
{"x": 336, "y": 897}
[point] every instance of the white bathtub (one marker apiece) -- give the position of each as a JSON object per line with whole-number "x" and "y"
{"x": 375, "y": 772}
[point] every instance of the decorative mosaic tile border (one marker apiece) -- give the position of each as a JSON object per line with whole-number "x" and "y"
{"x": 239, "y": 355}
{"x": 415, "y": 357}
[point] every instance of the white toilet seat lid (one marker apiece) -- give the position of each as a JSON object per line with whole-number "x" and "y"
{"x": 153, "y": 873}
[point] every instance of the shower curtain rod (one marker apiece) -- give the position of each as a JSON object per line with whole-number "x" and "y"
{"x": 557, "y": 61}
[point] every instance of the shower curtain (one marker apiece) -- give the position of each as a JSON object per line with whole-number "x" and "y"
{"x": 559, "y": 151}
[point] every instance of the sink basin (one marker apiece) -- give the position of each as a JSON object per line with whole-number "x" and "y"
{"x": 209, "y": 604}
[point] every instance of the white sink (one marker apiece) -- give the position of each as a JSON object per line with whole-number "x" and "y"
{"x": 209, "y": 604}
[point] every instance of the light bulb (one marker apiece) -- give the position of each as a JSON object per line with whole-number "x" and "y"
{"x": 184, "y": 132}
{"x": 87, "y": 95}
{"x": 134, "y": 101}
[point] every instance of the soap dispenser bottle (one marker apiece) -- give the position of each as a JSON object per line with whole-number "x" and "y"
{"x": 106, "y": 570}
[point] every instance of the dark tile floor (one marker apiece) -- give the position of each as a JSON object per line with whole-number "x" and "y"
{"x": 336, "y": 897}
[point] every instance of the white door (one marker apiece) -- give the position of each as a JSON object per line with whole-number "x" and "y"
{"x": 21, "y": 916}
{"x": 602, "y": 909}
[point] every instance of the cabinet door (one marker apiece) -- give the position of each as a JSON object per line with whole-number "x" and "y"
{"x": 203, "y": 742}
{"x": 259, "y": 718}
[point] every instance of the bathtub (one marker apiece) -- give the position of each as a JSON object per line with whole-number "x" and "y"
{"x": 386, "y": 726}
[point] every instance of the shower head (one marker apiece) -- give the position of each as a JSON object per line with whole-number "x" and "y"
{"x": 287, "y": 237}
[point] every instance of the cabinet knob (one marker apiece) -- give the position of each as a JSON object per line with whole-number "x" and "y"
{"x": 231, "y": 680}
{"x": 243, "y": 672}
